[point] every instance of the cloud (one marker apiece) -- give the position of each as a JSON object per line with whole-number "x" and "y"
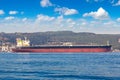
{"x": 48, "y": 23}
{"x": 99, "y": 14}
{"x": 2, "y": 12}
{"x": 45, "y": 3}
{"x": 54, "y": 23}
{"x": 117, "y": 4}
{"x": 109, "y": 23}
{"x": 93, "y": 0}
{"x": 66, "y": 11}
{"x": 118, "y": 19}
{"x": 41, "y": 17}
{"x": 9, "y": 18}
{"x": 24, "y": 19}
{"x": 13, "y": 12}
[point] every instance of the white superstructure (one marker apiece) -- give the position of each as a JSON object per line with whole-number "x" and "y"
{"x": 21, "y": 43}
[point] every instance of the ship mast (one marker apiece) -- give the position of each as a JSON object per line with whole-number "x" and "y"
{"x": 108, "y": 42}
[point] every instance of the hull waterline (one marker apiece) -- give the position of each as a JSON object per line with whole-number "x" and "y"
{"x": 63, "y": 49}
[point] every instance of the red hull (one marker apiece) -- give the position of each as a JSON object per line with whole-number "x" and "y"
{"x": 64, "y": 50}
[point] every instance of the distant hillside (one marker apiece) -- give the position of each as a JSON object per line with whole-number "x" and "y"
{"x": 63, "y": 36}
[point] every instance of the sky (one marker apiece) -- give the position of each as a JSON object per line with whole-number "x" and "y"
{"x": 97, "y": 16}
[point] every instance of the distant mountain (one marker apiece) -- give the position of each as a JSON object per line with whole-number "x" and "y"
{"x": 63, "y": 36}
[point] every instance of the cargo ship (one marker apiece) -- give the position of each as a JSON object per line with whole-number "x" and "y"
{"x": 24, "y": 46}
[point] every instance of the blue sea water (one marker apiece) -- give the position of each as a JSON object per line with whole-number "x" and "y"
{"x": 49, "y": 66}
